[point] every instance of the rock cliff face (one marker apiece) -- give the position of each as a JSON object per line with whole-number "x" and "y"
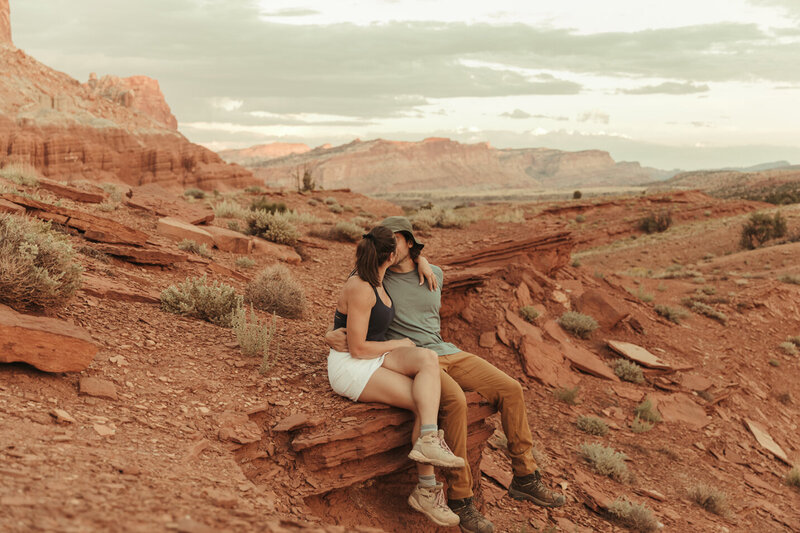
{"x": 255, "y": 154}
{"x": 5, "y": 24}
{"x": 437, "y": 163}
{"x": 120, "y": 130}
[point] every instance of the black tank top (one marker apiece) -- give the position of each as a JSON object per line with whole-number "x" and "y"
{"x": 380, "y": 317}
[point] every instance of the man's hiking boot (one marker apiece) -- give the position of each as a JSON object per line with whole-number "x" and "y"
{"x": 430, "y": 502}
{"x": 472, "y": 521}
{"x": 532, "y": 488}
{"x": 431, "y": 449}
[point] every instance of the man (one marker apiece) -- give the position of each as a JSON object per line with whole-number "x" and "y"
{"x": 417, "y": 318}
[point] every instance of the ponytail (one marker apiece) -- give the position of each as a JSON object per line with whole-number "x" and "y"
{"x": 373, "y": 250}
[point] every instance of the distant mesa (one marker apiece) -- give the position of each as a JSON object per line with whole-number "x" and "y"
{"x": 5, "y": 24}
{"x": 265, "y": 151}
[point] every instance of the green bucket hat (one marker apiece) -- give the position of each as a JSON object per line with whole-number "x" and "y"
{"x": 402, "y": 225}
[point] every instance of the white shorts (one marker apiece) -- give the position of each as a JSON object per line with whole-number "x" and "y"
{"x": 348, "y": 376}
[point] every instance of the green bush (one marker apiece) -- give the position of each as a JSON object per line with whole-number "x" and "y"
{"x": 194, "y": 193}
{"x": 656, "y": 222}
{"x": 234, "y": 225}
{"x": 605, "y": 461}
{"x": 264, "y": 204}
{"x": 313, "y": 202}
{"x": 275, "y": 227}
{"x": 760, "y": 228}
{"x": 577, "y": 195}
{"x": 671, "y": 313}
{"x": 21, "y": 174}
{"x": 216, "y": 302}
{"x": 275, "y": 290}
{"x": 705, "y": 309}
{"x": 628, "y": 371}
{"x": 336, "y": 208}
{"x": 38, "y": 270}
{"x": 578, "y": 324}
{"x": 529, "y": 313}
{"x": 635, "y": 516}
{"x": 647, "y": 412}
{"x": 592, "y": 425}
{"x": 254, "y": 189}
{"x": 188, "y": 245}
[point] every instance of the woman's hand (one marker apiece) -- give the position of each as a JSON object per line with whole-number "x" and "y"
{"x": 337, "y": 339}
{"x": 426, "y": 273}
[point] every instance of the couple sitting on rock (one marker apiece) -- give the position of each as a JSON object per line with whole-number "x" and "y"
{"x": 386, "y": 347}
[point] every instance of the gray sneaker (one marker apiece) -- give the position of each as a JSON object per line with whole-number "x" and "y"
{"x": 472, "y": 521}
{"x": 431, "y": 449}
{"x": 430, "y": 502}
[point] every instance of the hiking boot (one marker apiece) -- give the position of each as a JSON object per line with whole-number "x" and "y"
{"x": 430, "y": 502}
{"x": 532, "y": 488}
{"x": 431, "y": 449}
{"x": 472, "y": 521}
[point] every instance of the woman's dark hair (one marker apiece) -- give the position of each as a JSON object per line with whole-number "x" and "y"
{"x": 373, "y": 250}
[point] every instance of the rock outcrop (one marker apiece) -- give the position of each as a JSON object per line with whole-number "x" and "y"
{"x": 436, "y": 163}
{"x": 140, "y": 93}
{"x": 261, "y": 152}
{"x": 5, "y": 24}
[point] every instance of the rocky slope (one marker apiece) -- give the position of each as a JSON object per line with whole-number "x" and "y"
{"x": 437, "y": 163}
{"x": 5, "y": 24}
{"x": 260, "y": 152}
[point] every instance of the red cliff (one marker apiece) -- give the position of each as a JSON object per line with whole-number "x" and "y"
{"x": 140, "y": 93}
{"x": 5, "y": 24}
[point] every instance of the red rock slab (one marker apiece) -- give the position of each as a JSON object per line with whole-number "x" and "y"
{"x": 766, "y": 441}
{"x": 297, "y": 421}
{"x": 276, "y": 251}
{"x": 544, "y": 363}
{"x": 95, "y": 228}
{"x": 696, "y": 382}
{"x": 523, "y": 295}
{"x": 230, "y": 241}
{"x": 99, "y": 388}
{"x": 487, "y": 339}
{"x": 607, "y": 310}
{"x": 524, "y": 327}
{"x": 546, "y": 252}
{"x": 225, "y": 271}
{"x": 65, "y": 191}
{"x": 48, "y": 344}
{"x": 237, "y": 427}
{"x": 145, "y": 256}
{"x": 10, "y": 207}
{"x": 555, "y": 332}
{"x": 584, "y": 360}
{"x": 496, "y": 468}
{"x": 105, "y": 288}
{"x": 681, "y": 408}
{"x": 178, "y": 230}
{"x": 638, "y": 354}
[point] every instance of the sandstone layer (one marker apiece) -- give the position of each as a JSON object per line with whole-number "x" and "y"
{"x": 140, "y": 93}
{"x": 5, "y": 24}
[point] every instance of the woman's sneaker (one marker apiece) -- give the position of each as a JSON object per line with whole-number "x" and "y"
{"x": 431, "y": 449}
{"x": 430, "y": 502}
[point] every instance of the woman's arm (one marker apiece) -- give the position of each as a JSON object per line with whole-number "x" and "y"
{"x": 426, "y": 273}
{"x": 359, "y": 307}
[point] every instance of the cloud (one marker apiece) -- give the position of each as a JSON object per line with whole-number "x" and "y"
{"x": 517, "y": 113}
{"x": 291, "y": 12}
{"x": 669, "y": 87}
{"x": 790, "y": 7}
{"x": 598, "y": 117}
{"x": 227, "y": 104}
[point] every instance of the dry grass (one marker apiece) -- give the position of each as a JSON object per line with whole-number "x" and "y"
{"x": 275, "y": 290}
{"x": 705, "y": 309}
{"x": 640, "y": 426}
{"x": 529, "y": 313}
{"x": 216, "y": 302}
{"x": 793, "y": 477}
{"x": 709, "y": 498}
{"x": 592, "y": 425}
{"x": 346, "y": 232}
{"x": 275, "y": 227}
{"x": 788, "y": 348}
{"x": 646, "y": 411}
{"x": 569, "y": 396}
{"x": 255, "y": 338}
{"x": 38, "y": 270}
{"x": 635, "y": 516}
{"x": 21, "y": 174}
{"x": 578, "y": 324}
{"x": 188, "y": 245}
{"x": 794, "y": 280}
{"x": 245, "y": 262}
{"x": 230, "y": 209}
{"x": 672, "y": 314}
{"x": 628, "y": 371}
{"x": 439, "y": 217}
{"x": 640, "y": 294}
{"x": 515, "y": 216}
{"x": 195, "y": 193}
{"x": 606, "y": 461}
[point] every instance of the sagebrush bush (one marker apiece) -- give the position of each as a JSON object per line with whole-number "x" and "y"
{"x": 640, "y": 426}
{"x": 330, "y": 200}
{"x": 640, "y": 293}
{"x": 230, "y": 209}
{"x": 512, "y": 215}
{"x": 567, "y": 395}
{"x": 592, "y": 425}
{"x": 672, "y": 314}
{"x": 578, "y": 324}
{"x": 263, "y": 203}
{"x": 255, "y": 338}
{"x": 760, "y": 228}
{"x": 656, "y": 222}
{"x": 196, "y": 297}
{"x": 245, "y": 262}
{"x": 529, "y": 313}
{"x": 580, "y": 218}
{"x": 195, "y": 193}
{"x": 346, "y": 231}
{"x": 577, "y": 195}
{"x": 793, "y": 477}
{"x": 794, "y": 340}
{"x": 605, "y": 461}
{"x": 21, "y": 174}
{"x": 647, "y": 411}
{"x": 439, "y": 217}
{"x": 709, "y": 498}
{"x": 273, "y": 227}
{"x": 38, "y": 270}
{"x": 275, "y": 290}
{"x": 705, "y": 309}
{"x": 188, "y": 245}
{"x": 635, "y": 516}
{"x": 336, "y": 208}
{"x": 254, "y": 189}
{"x": 234, "y": 225}
{"x": 788, "y": 348}
{"x": 628, "y": 371}
{"x": 794, "y": 280}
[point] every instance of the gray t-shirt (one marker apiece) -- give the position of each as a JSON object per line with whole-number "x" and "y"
{"x": 417, "y": 310}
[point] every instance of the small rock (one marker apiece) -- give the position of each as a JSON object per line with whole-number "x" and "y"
{"x": 104, "y": 431}
{"x": 99, "y": 388}
{"x": 488, "y": 339}
{"x": 62, "y": 417}
{"x": 222, "y": 498}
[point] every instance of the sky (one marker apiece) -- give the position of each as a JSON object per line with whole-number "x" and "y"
{"x": 681, "y": 84}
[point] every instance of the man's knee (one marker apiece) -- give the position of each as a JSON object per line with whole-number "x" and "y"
{"x": 453, "y": 403}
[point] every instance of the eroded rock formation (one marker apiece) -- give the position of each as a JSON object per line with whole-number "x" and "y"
{"x": 5, "y": 24}
{"x": 137, "y": 92}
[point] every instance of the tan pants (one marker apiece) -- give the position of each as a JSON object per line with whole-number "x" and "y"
{"x": 464, "y": 371}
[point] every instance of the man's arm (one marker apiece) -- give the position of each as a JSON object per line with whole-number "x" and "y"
{"x": 426, "y": 273}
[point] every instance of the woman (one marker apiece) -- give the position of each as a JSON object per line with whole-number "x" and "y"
{"x": 393, "y": 372}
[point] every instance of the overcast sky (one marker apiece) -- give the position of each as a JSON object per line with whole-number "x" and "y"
{"x": 677, "y": 84}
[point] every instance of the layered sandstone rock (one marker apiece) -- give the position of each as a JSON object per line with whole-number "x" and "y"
{"x": 140, "y": 93}
{"x": 5, "y": 24}
{"x": 261, "y": 152}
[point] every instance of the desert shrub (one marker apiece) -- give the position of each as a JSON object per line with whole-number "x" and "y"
{"x": 529, "y": 313}
{"x": 263, "y": 203}
{"x": 21, "y": 174}
{"x": 275, "y": 290}
{"x": 794, "y": 340}
{"x": 511, "y": 215}
{"x": 709, "y": 498}
{"x": 640, "y": 293}
{"x": 313, "y": 202}
{"x": 114, "y": 194}
{"x": 578, "y": 324}
{"x": 576, "y": 262}
{"x": 708, "y": 290}
{"x": 196, "y": 297}
{"x": 188, "y": 245}
{"x": 194, "y": 193}
{"x": 760, "y": 228}
{"x": 788, "y": 348}
{"x": 794, "y": 280}
{"x": 94, "y": 253}
{"x": 640, "y": 426}
{"x": 774, "y": 362}
{"x": 647, "y": 412}
{"x": 580, "y": 219}
{"x": 331, "y": 201}
{"x": 346, "y": 231}
{"x": 628, "y": 371}
{"x": 635, "y": 516}
{"x": 38, "y": 270}
{"x": 273, "y": 227}
{"x": 605, "y": 461}
{"x": 793, "y": 477}
{"x": 336, "y": 208}
{"x": 672, "y": 314}
{"x": 254, "y": 189}
{"x": 567, "y": 395}
{"x": 230, "y": 209}
{"x": 592, "y": 425}
{"x": 234, "y": 225}
{"x": 107, "y": 207}
{"x": 245, "y": 262}
{"x": 362, "y": 221}
{"x": 577, "y": 195}
{"x": 656, "y": 222}
{"x": 439, "y": 217}
{"x": 255, "y": 338}
{"x": 705, "y": 309}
